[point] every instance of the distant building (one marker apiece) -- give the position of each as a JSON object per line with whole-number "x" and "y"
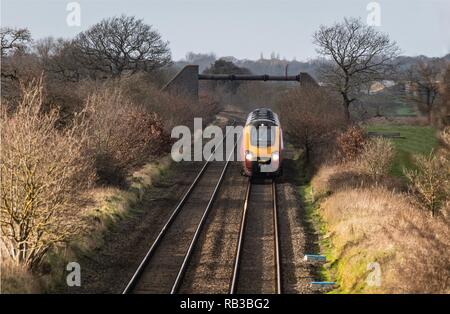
{"x": 379, "y": 86}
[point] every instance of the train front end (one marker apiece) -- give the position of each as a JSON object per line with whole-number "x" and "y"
{"x": 262, "y": 144}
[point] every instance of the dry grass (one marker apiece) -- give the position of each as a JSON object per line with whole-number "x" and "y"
{"x": 335, "y": 177}
{"x": 366, "y": 220}
{"x": 320, "y": 182}
{"x": 111, "y": 204}
{"x": 17, "y": 279}
{"x": 377, "y": 225}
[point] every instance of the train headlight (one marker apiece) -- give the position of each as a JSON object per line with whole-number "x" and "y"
{"x": 275, "y": 156}
{"x": 248, "y": 155}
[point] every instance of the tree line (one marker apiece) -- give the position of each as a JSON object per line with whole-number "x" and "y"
{"x": 110, "y": 48}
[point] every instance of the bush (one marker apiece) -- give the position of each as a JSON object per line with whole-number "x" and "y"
{"x": 351, "y": 142}
{"x": 376, "y": 157}
{"x": 42, "y": 171}
{"x": 445, "y": 139}
{"x": 430, "y": 181}
{"x": 123, "y": 136}
{"x": 173, "y": 109}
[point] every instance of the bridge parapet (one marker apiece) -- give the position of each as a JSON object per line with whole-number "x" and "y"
{"x": 186, "y": 81}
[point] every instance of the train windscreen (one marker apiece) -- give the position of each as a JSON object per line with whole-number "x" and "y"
{"x": 262, "y": 136}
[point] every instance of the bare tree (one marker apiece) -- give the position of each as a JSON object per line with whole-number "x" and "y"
{"x": 13, "y": 39}
{"x": 222, "y": 66}
{"x": 355, "y": 55}
{"x": 310, "y": 117}
{"x": 59, "y": 59}
{"x": 424, "y": 78}
{"x": 445, "y": 108}
{"x": 204, "y": 60}
{"x": 120, "y": 44}
{"x": 18, "y": 64}
{"x": 13, "y": 46}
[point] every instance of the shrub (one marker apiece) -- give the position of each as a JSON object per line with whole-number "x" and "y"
{"x": 42, "y": 171}
{"x": 376, "y": 157}
{"x": 430, "y": 181}
{"x": 445, "y": 138}
{"x": 173, "y": 109}
{"x": 123, "y": 136}
{"x": 351, "y": 142}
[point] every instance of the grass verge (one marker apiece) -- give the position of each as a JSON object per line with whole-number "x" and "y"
{"x": 312, "y": 206}
{"x": 104, "y": 208}
{"x": 375, "y": 237}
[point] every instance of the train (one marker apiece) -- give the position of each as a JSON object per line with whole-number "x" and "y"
{"x": 262, "y": 144}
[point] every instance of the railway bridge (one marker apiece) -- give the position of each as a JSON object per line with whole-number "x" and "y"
{"x": 187, "y": 80}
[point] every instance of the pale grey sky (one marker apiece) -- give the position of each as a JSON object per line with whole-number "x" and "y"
{"x": 243, "y": 28}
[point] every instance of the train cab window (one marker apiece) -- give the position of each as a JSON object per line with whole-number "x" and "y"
{"x": 262, "y": 136}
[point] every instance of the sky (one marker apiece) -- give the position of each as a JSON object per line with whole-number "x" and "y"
{"x": 242, "y": 28}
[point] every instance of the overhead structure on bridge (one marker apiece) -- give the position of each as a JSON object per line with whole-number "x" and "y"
{"x": 186, "y": 81}
{"x": 248, "y": 77}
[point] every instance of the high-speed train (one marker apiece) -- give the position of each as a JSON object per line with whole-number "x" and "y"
{"x": 262, "y": 144}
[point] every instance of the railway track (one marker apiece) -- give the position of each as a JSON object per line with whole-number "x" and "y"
{"x": 257, "y": 259}
{"x": 257, "y": 267}
{"x": 164, "y": 265}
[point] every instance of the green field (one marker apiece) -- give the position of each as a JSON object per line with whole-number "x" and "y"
{"x": 418, "y": 140}
{"x": 399, "y": 108}
{"x": 404, "y": 110}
